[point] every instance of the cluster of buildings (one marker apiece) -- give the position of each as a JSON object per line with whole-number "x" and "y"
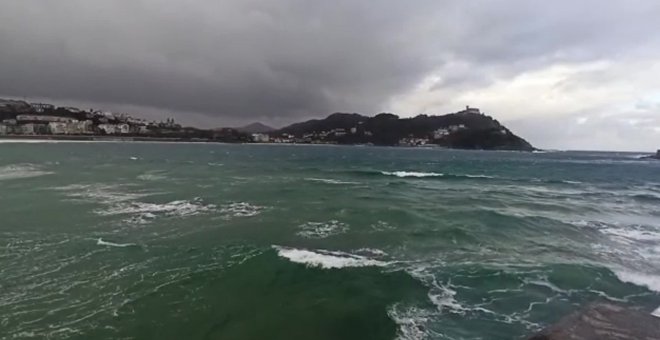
{"x": 21, "y": 118}
{"x": 331, "y": 136}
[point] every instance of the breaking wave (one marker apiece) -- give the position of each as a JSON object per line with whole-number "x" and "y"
{"x": 101, "y": 242}
{"x": 18, "y": 171}
{"x": 241, "y": 209}
{"x": 326, "y": 259}
{"x": 420, "y": 174}
{"x": 411, "y": 321}
{"x": 152, "y": 176}
{"x": 330, "y": 181}
{"x": 322, "y": 229}
{"x": 181, "y": 208}
{"x": 651, "y": 282}
{"x": 404, "y": 174}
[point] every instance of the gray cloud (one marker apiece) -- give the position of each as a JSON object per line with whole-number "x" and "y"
{"x": 235, "y": 61}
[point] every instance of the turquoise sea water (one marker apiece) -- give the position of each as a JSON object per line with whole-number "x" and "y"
{"x": 195, "y": 241}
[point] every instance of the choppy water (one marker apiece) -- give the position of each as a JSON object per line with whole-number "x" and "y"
{"x": 163, "y": 241}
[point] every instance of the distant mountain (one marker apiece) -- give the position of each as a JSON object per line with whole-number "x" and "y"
{"x": 255, "y": 128}
{"x": 467, "y": 129}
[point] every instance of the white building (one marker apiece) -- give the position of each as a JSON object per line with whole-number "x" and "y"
{"x": 123, "y": 129}
{"x": 41, "y": 107}
{"x": 57, "y": 128}
{"x": 38, "y": 118}
{"x": 470, "y": 110}
{"x": 260, "y": 138}
{"x": 81, "y": 128}
{"x": 108, "y": 129}
{"x": 440, "y": 133}
{"x": 3, "y": 129}
{"x": 455, "y": 128}
{"x": 28, "y": 129}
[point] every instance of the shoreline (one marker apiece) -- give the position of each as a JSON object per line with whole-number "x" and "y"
{"x": 98, "y": 138}
{"x": 106, "y": 139}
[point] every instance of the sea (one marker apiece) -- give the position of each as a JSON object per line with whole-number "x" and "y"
{"x": 112, "y": 240}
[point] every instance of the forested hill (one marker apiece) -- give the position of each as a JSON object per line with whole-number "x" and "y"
{"x": 468, "y": 129}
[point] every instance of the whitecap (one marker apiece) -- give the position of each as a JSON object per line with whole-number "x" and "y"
{"x": 241, "y": 209}
{"x": 152, "y": 176}
{"x": 371, "y": 251}
{"x": 565, "y": 181}
{"x": 634, "y": 233}
{"x": 411, "y": 174}
{"x": 319, "y": 230}
{"x": 330, "y": 181}
{"x": 382, "y": 226}
{"x": 326, "y": 259}
{"x": 179, "y": 208}
{"x": 105, "y": 194}
{"x": 479, "y": 176}
{"x": 411, "y": 321}
{"x": 441, "y": 295}
{"x": 651, "y": 282}
{"x": 18, "y": 171}
{"x": 101, "y": 242}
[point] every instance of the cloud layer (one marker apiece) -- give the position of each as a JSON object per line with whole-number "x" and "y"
{"x": 564, "y": 74}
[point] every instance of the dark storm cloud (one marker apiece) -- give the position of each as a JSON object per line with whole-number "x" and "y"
{"x": 278, "y": 61}
{"x": 234, "y": 58}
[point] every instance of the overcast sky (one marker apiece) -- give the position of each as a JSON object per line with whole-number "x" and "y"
{"x": 565, "y": 74}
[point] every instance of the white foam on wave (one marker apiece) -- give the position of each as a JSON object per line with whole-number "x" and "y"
{"x": 152, "y": 176}
{"x": 633, "y": 233}
{"x": 382, "y": 226}
{"x": 417, "y": 174}
{"x": 319, "y": 230}
{"x": 241, "y": 209}
{"x": 441, "y": 295}
{"x": 649, "y": 281}
{"x": 411, "y": 321}
{"x": 100, "y": 193}
{"x": 479, "y": 176}
{"x": 633, "y": 241}
{"x": 18, "y": 171}
{"x": 326, "y": 259}
{"x": 371, "y": 252}
{"x": 570, "y": 182}
{"x": 330, "y": 181}
{"x": 179, "y": 208}
{"x": 101, "y": 242}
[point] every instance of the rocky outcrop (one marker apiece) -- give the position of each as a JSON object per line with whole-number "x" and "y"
{"x": 604, "y": 321}
{"x": 656, "y": 156}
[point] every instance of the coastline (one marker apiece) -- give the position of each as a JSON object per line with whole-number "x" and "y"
{"x": 107, "y": 139}
{"x": 98, "y": 138}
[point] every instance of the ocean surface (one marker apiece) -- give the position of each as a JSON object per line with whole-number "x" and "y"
{"x": 211, "y": 241}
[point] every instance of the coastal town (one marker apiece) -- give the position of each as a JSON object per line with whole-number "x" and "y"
{"x": 20, "y": 119}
